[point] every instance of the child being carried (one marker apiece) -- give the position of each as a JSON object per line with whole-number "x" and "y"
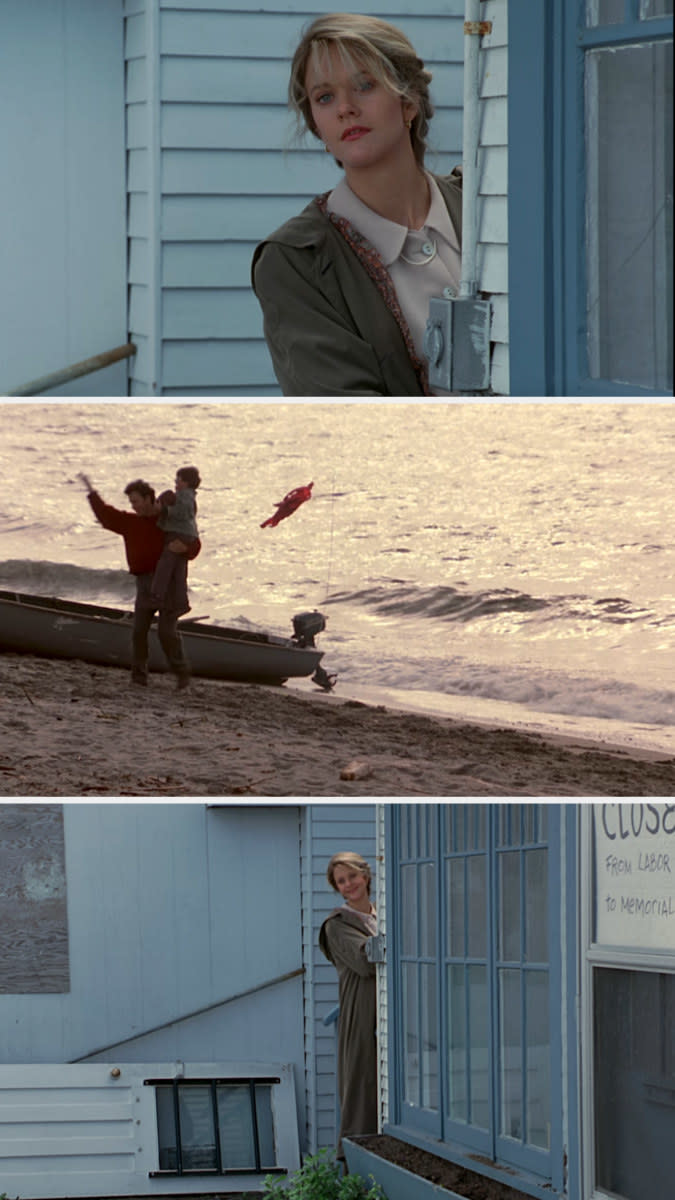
{"x": 178, "y": 521}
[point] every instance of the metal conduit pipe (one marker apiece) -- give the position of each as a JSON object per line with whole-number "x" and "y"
{"x": 188, "y": 1016}
{"x": 468, "y": 285}
{"x": 86, "y": 366}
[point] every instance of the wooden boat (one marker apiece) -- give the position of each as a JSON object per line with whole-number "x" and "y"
{"x": 54, "y": 628}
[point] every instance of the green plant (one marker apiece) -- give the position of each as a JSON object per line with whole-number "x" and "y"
{"x": 320, "y": 1178}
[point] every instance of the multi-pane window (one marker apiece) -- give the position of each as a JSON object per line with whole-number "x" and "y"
{"x": 472, "y": 968}
{"x": 628, "y": 134}
{"x": 419, "y": 967}
{"x": 214, "y": 1126}
{"x": 523, "y": 975}
{"x": 466, "y": 966}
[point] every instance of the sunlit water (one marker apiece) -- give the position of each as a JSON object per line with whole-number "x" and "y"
{"x": 506, "y": 561}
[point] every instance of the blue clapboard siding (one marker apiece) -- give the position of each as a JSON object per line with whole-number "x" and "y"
{"x": 221, "y": 168}
{"x": 141, "y": 203}
{"x": 62, "y": 255}
{"x": 326, "y": 829}
{"x": 172, "y": 909}
{"x": 493, "y": 186}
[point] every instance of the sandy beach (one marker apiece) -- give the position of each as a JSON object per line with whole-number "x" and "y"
{"x": 73, "y": 729}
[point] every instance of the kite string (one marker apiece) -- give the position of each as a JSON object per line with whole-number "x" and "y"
{"x": 330, "y": 541}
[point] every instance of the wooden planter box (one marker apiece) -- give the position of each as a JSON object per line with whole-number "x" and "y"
{"x": 398, "y": 1184}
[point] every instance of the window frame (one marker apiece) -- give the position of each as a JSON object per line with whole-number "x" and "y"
{"x": 252, "y": 1083}
{"x": 543, "y": 1170}
{"x": 547, "y": 193}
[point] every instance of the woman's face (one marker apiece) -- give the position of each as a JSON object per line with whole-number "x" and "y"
{"x": 361, "y": 122}
{"x": 351, "y": 884}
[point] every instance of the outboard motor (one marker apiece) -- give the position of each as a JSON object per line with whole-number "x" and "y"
{"x": 306, "y": 625}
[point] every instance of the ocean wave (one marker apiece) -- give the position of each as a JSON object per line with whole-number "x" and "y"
{"x": 65, "y": 580}
{"x": 455, "y": 604}
{"x": 550, "y": 691}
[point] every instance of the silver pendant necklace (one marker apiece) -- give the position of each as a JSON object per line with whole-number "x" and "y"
{"x": 428, "y": 248}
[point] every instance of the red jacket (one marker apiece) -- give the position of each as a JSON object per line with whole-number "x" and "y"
{"x": 143, "y": 541}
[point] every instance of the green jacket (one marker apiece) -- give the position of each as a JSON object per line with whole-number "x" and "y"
{"x": 327, "y": 326}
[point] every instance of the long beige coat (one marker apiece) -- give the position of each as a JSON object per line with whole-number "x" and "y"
{"x": 343, "y": 939}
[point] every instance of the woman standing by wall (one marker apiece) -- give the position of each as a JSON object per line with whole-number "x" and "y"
{"x": 345, "y": 286}
{"x": 342, "y": 939}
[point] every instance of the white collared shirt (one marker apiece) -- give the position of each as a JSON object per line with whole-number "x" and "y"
{"x": 416, "y": 281}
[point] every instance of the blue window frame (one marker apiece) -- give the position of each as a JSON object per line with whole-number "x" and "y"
{"x": 590, "y": 197}
{"x": 474, "y": 973}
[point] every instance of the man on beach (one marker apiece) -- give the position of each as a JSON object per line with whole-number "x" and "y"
{"x": 143, "y": 544}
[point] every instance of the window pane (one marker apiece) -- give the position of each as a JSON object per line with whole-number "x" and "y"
{"x": 656, "y": 8}
{"x": 265, "y": 1118}
{"x": 634, "y": 1068}
{"x": 477, "y": 822}
{"x": 538, "y": 1059}
{"x": 629, "y": 132}
{"x": 455, "y": 894}
{"x": 235, "y": 1122}
{"x": 457, "y": 1074}
{"x": 510, "y": 1055}
{"x": 460, "y": 827}
{"x": 404, "y": 830}
{"x": 429, "y": 1037}
{"x": 477, "y": 906}
{"x": 409, "y": 909}
{"x": 605, "y": 12}
{"x": 428, "y": 910}
{"x": 197, "y": 1129}
{"x": 428, "y": 847}
{"x": 529, "y": 823}
{"x": 509, "y": 908}
{"x": 536, "y": 906}
{"x": 542, "y": 812}
{"x": 411, "y": 1052}
{"x": 166, "y": 1129}
{"x": 479, "y": 1020}
{"x": 458, "y": 1097}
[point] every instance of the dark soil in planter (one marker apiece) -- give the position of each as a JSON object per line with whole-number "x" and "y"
{"x": 438, "y": 1170}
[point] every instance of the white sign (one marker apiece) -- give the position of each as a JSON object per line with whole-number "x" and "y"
{"x": 635, "y": 875}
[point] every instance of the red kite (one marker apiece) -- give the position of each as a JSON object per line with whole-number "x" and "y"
{"x": 288, "y": 505}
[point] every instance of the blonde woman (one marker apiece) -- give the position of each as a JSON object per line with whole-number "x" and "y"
{"x": 345, "y": 286}
{"x": 342, "y": 939}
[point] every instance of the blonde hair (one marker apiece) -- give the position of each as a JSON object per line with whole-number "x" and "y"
{"x": 382, "y": 49}
{"x": 348, "y": 858}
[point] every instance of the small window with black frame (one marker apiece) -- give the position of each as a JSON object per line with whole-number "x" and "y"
{"x": 215, "y": 1126}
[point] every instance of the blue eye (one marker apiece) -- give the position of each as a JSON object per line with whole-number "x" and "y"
{"x": 324, "y": 98}
{"x": 366, "y": 85}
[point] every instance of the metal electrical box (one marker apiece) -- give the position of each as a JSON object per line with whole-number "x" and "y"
{"x": 457, "y": 343}
{"x": 375, "y": 952}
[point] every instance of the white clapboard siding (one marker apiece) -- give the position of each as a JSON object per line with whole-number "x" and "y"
{"x": 493, "y": 181}
{"x": 91, "y": 1129}
{"x": 214, "y": 164}
{"x": 326, "y": 829}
